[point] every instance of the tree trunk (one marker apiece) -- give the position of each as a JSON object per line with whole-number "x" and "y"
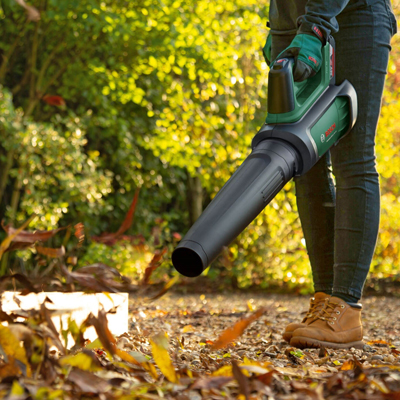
{"x": 5, "y": 169}
{"x": 194, "y": 198}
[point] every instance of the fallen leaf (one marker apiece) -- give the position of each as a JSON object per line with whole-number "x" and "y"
{"x": 126, "y": 356}
{"x": 348, "y": 365}
{"x": 15, "y": 354}
{"x": 378, "y": 342}
{"x": 166, "y": 287}
{"x": 378, "y": 384}
{"x": 322, "y": 352}
{"x": 188, "y": 328}
{"x": 159, "y": 349}
{"x": 250, "y": 305}
{"x": 54, "y": 335}
{"x": 87, "y": 381}
{"x": 101, "y": 326}
{"x": 214, "y": 382}
{"x": 237, "y": 330}
{"x": 267, "y": 377}
{"x": 83, "y": 360}
{"x": 226, "y": 370}
{"x": 255, "y": 369}
{"x": 243, "y": 381}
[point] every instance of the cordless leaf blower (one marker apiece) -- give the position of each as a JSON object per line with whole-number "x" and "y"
{"x": 304, "y": 120}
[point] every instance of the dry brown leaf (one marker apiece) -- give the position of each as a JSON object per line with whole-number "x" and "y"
{"x": 103, "y": 332}
{"x": 232, "y": 333}
{"x": 30, "y": 237}
{"x": 266, "y": 379}
{"x": 54, "y": 333}
{"x": 88, "y": 382}
{"x": 126, "y": 356}
{"x": 51, "y": 252}
{"x": 303, "y": 388}
{"x": 110, "y": 238}
{"x": 153, "y": 265}
{"x": 214, "y": 382}
{"x": 322, "y": 352}
{"x": 242, "y": 380}
{"x": 79, "y": 233}
{"x": 13, "y": 234}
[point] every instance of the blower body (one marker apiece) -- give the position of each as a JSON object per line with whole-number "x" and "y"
{"x": 304, "y": 120}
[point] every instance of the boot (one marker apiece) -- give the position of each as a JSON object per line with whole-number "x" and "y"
{"x": 337, "y": 325}
{"x": 316, "y": 303}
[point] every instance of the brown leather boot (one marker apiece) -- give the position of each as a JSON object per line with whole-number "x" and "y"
{"x": 316, "y": 303}
{"x": 337, "y": 325}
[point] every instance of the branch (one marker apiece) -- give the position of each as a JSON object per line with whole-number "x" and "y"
{"x": 46, "y": 65}
{"x": 33, "y": 60}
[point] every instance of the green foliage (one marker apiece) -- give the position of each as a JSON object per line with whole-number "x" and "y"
{"x": 53, "y": 169}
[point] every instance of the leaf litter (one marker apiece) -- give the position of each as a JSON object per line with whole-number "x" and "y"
{"x": 228, "y": 352}
{"x": 182, "y": 346}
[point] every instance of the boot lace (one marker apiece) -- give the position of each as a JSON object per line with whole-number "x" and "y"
{"x": 327, "y": 312}
{"x": 315, "y": 307}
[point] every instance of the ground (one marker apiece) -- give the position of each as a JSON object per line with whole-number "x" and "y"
{"x": 194, "y": 322}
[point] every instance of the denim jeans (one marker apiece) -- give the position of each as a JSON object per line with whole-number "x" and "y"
{"x": 341, "y": 221}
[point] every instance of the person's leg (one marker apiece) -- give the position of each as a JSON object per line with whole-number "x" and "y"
{"x": 315, "y": 196}
{"x": 362, "y": 50}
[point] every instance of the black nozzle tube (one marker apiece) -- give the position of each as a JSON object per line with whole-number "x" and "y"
{"x": 262, "y": 175}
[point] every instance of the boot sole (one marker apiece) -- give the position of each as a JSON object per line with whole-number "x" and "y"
{"x": 305, "y": 342}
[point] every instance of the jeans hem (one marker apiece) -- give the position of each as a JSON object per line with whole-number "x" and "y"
{"x": 351, "y": 292}
{"x": 323, "y": 288}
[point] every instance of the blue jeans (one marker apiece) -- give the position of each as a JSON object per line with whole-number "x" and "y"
{"x": 340, "y": 222}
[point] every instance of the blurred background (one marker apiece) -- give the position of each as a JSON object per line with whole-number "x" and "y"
{"x": 100, "y": 100}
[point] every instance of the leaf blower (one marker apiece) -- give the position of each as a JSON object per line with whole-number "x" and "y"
{"x": 304, "y": 120}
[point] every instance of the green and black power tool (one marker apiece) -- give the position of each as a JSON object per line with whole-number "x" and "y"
{"x": 304, "y": 120}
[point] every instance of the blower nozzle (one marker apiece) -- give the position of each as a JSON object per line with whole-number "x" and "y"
{"x": 261, "y": 176}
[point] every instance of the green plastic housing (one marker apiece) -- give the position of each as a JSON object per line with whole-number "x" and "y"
{"x": 307, "y": 92}
{"x": 337, "y": 119}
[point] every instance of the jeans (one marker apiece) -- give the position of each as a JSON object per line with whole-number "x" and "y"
{"x": 341, "y": 221}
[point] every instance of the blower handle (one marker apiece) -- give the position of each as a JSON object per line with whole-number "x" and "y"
{"x": 288, "y": 100}
{"x": 280, "y": 83}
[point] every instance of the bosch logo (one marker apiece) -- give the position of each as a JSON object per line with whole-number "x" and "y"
{"x": 317, "y": 31}
{"x": 313, "y": 60}
{"x": 322, "y": 138}
{"x": 330, "y": 130}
